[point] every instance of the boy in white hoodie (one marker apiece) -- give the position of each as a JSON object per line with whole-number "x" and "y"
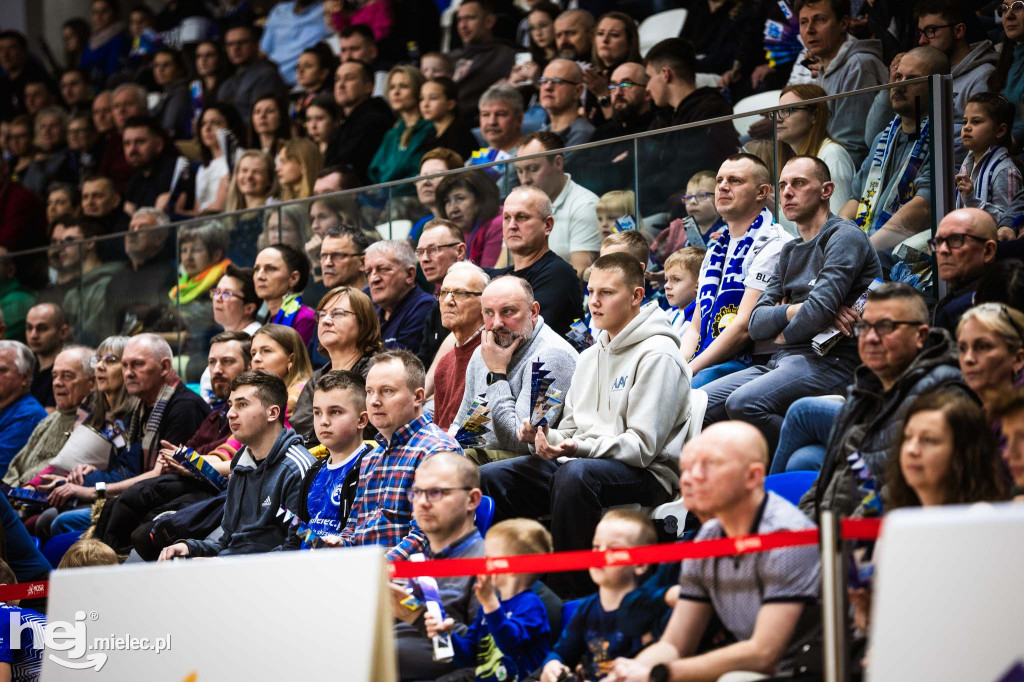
{"x": 625, "y": 418}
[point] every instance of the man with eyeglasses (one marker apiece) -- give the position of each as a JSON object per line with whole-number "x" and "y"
{"x": 441, "y": 245}
{"x": 381, "y": 512}
{"x": 901, "y": 358}
{"x": 461, "y": 313}
{"x": 253, "y": 75}
{"x": 445, "y": 495}
{"x": 964, "y": 245}
{"x": 482, "y": 60}
{"x": 401, "y": 305}
{"x": 561, "y": 87}
{"x": 341, "y": 258}
{"x": 942, "y": 24}
{"x": 631, "y": 103}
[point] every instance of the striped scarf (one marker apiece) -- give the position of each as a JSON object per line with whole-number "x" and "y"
{"x": 150, "y": 432}
{"x": 878, "y": 203}
{"x": 190, "y": 288}
{"x": 986, "y": 172}
{"x": 290, "y": 306}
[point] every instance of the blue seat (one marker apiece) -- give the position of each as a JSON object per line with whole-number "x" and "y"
{"x": 484, "y": 514}
{"x": 790, "y": 485}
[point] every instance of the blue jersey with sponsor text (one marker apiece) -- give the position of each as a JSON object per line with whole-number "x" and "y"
{"x": 22, "y": 655}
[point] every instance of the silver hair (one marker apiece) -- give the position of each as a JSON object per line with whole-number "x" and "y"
{"x": 472, "y": 267}
{"x": 397, "y": 249}
{"x": 503, "y": 93}
{"x": 541, "y": 200}
{"x": 211, "y": 233}
{"x": 114, "y": 344}
{"x": 154, "y": 344}
{"x": 85, "y": 357}
{"x": 24, "y": 360}
{"x": 140, "y": 92}
{"x": 54, "y": 111}
{"x": 161, "y": 217}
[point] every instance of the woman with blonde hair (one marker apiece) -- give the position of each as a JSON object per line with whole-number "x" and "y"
{"x": 990, "y": 339}
{"x": 403, "y": 146}
{"x": 298, "y": 164}
{"x": 252, "y": 186}
{"x": 804, "y": 129}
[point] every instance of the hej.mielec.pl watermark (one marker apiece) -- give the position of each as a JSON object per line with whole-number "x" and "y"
{"x": 73, "y": 641}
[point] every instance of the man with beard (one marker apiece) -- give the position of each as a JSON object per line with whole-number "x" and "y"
{"x": 501, "y": 369}
{"x": 574, "y": 34}
{"x": 900, "y": 157}
{"x": 152, "y": 157}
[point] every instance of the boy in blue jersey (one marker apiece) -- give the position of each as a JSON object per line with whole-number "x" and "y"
{"x": 20, "y": 661}
{"x": 510, "y": 636}
{"x": 339, "y": 416}
{"x": 616, "y": 619}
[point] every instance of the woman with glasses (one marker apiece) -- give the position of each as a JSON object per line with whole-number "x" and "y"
{"x": 804, "y": 128}
{"x": 1008, "y": 77}
{"x": 990, "y": 338}
{"x": 349, "y": 333}
{"x": 540, "y": 23}
{"x": 399, "y": 153}
{"x": 280, "y": 275}
{"x": 470, "y": 200}
{"x": 235, "y": 306}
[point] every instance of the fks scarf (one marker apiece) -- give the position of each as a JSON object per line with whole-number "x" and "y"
{"x": 878, "y": 203}
{"x": 190, "y": 288}
{"x": 289, "y": 309}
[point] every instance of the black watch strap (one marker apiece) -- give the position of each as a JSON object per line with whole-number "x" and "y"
{"x": 494, "y": 377}
{"x": 659, "y": 673}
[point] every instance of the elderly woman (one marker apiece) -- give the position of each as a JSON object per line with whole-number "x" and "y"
{"x": 280, "y": 275}
{"x": 470, "y": 200}
{"x": 437, "y": 160}
{"x": 349, "y": 334}
{"x": 400, "y": 151}
{"x": 990, "y": 339}
{"x": 201, "y": 253}
{"x": 53, "y": 161}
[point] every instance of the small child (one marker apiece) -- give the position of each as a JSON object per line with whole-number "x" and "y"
{"x": 21, "y": 662}
{"x": 511, "y": 636}
{"x": 612, "y": 206}
{"x": 682, "y": 269}
{"x": 699, "y": 202}
{"x": 613, "y": 622}
{"x": 989, "y": 177}
{"x": 339, "y": 415}
{"x": 88, "y": 552}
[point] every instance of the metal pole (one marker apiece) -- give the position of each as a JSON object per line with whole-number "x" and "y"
{"x": 940, "y": 109}
{"x": 833, "y": 613}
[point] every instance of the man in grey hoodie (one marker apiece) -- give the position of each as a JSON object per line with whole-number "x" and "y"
{"x": 265, "y": 476}
{"x": 625, "y": 418}
{"x": 943, "y": 25}
{"x": 817, "y": 278}
{"x": 839, "y": 63}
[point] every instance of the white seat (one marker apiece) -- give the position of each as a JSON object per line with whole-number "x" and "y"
{"x": 396, "y": 229}
{"x": 677, "y": 508}
{"x": 657, "y": 27}
{"x": 761, "y": 100}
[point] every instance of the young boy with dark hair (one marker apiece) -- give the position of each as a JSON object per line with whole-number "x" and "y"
{"x": 20, "y": 661}
{"x": 613, "y": 622}
{"x": 339, "y": 416}
{"x": 265, "y": 475}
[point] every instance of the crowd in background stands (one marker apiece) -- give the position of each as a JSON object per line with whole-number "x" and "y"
{"x": 324, "y": 370}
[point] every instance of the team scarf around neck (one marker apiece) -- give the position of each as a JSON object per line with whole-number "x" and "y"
{"x": 151, "y": 430}
{"x": 290, "y": 306}
{"x": 721, "y": 286}
{"x": 878, "y": 202}
{"x": 990, "y": 161}
{"x": 190, "y": 288}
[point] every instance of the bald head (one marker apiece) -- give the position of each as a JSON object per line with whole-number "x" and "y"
{"x": 933, "y": 61}
{"x": 464, "y": 471}
{"x": 735, "y": 439}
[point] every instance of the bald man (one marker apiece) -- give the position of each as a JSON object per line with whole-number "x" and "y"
{"x": 561, "y": 87}
{"x": 895, "y": 195}
{"x": 964, "y": 244}
{"x": 770, "y": 604}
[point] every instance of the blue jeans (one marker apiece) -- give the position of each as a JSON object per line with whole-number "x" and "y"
{"x": 760, "y": 395}
{"x": 804, "y": 435}
{"x": 716, "y": 372}
{"x": 76, "y": 519}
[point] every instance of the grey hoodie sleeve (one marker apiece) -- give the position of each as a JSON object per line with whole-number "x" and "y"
{"x": 862, "y": 70}
{"x": 1006, "y": 183}
{"x": 768, "y": 318}
{"x": 846, "y": 253}
{"x": 1012, "y": 212}
{"x": 650, "y": 416}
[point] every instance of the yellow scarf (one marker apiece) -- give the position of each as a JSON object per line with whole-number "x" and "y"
{"x": 190, "y": 288}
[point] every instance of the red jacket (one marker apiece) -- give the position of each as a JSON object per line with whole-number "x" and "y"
{"x": 22, "y": 218}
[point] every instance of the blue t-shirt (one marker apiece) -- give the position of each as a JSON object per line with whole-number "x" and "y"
{"x": 324, "y": 499}
{"x": 508, "y": 644}
{"x": 25, "y": 659}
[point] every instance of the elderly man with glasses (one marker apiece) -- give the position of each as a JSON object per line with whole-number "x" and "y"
{"x": 964, "y": 245}
{"x": 561, "y": 87}
{"x": 441, "y": 245}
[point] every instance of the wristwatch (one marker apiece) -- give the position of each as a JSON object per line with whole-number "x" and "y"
{"x": 493, "y": 377}
{"x": 101, "y": 490}
{"x": 659, "y": 673}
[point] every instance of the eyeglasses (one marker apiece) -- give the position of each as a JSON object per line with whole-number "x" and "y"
{"x": 882, "y": 327}
{"x": 326, "y": 255}
{"x": 612, "y": 87}
{"x": 335, "y": 315}
{"x": 1015, "y": 7}
{"x": 554, "y": 80}
{"x": 783, "y": 114}
{"x": 457, "y": 294}
{"x": 432, "y": 494}
{"x": 431, "y": 251}
{"x": 699, "y": 196}
{"x": 106, "y": 360}
{"x": 222, "y": 293}
{"x": 930, "y": 31}
{"x": 953, "y": 241}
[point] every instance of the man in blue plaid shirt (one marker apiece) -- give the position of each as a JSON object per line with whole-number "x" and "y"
{"x": 381, "y": 512}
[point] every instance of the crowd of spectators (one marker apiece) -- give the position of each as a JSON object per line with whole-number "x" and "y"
{"x": 792, "y": 277}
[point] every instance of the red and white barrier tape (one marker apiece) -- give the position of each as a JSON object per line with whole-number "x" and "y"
{"x": 852, "y": 529}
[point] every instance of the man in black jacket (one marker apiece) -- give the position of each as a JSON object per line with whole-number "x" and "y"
{"x": 483, "y": 59}
{"x": 366, "y": 121}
